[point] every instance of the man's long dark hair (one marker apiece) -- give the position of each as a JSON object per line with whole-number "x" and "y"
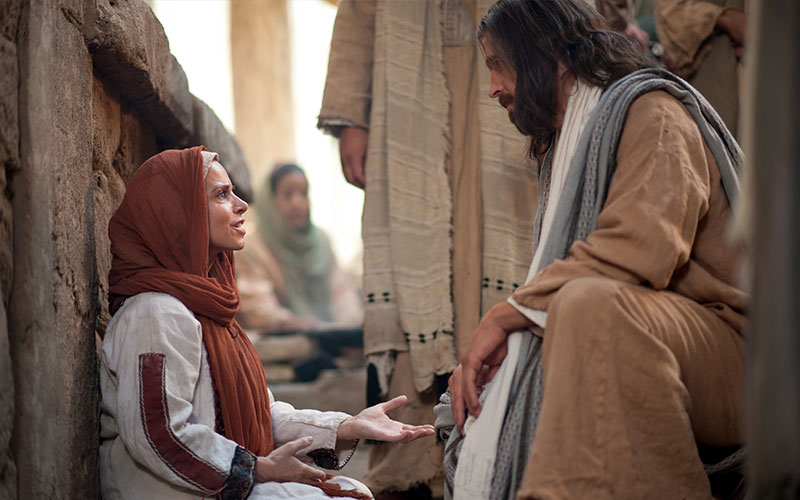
{"x": 532, "y": 36}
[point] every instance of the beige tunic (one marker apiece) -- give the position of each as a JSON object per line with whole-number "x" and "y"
{"x": 643, "y": 343}
{"x": 701, "y": 53}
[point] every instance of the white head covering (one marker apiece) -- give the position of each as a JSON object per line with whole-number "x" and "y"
{"x": 208, "y": 158}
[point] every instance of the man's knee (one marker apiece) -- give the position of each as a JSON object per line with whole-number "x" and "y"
{"x": 584, "y": 298}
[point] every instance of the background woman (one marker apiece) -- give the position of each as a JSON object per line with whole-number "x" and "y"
{"x": 288, "y": 277}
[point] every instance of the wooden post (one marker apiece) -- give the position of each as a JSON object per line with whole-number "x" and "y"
{"x": 772, "y": 121}
{"x": 261, "y": 60}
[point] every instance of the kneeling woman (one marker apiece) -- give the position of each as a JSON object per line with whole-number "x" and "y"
{"x": 186, "y": 412}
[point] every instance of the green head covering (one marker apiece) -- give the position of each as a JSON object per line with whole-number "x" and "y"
{"x": 304, "y": 254}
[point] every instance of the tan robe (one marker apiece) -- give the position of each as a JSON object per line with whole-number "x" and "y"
{"x": 701, "y": 53}
{"x": 481, "y": 276}
{"x": 643, "y": 344}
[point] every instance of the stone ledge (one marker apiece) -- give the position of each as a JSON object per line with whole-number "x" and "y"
{"x": 129, "y": 47}
{"x": 210, "y": 132}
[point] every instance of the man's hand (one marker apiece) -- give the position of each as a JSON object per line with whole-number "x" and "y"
{"x": 734, "y": 23}
{"x": 283, "y": 466}
{"x": 373, "y": 423}
{"x": 483, "y": 358}
{"x": 353, "y": 152}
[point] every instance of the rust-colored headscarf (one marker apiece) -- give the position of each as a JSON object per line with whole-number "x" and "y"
{"x": 159, "y": 242}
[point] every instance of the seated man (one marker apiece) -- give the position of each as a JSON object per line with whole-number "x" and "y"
{"x": 631, "y": 288}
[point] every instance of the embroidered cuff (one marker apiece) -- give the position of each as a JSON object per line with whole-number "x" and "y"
{"x": 242, "y": 477}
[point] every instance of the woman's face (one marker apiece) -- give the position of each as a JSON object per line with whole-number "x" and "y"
{"x": 291, "y": 197}
{"x": 225, "y": 213}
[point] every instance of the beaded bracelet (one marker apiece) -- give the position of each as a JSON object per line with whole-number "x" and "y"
{"x": 352, "y": 452}
{"x": 327, "y": 458}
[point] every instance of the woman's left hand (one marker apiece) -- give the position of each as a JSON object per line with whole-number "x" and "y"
{"x": 374, "y": 423}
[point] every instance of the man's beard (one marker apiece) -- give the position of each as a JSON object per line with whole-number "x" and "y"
{"x": 506, "y": 100}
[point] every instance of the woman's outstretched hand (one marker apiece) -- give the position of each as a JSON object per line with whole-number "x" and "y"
{"x": 374, "y": 423}
{"x": 283, "y": 466}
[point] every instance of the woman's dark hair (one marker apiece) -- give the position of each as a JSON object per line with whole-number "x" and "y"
{"x": 532, "y": 36}
{"x": 280, "y": 171}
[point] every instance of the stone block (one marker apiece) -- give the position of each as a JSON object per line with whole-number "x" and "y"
{"x": 129, "y": 47}
{"x": 138, "y": 142}
{"x": 8, "y": 472}
{"x": 106, "y": 123}
{"x": 6, "y": 240}
{"x": 122, "y": 141}
{"x": 108, "y": 192}
{"x": 9, "y": 104}
{"x": 280, "y": 348}
{"x": 73, "y": 11}
{"x": 9, "y": 147}
{"x": 52, "y": 306}
{"x": 9, "y": 18}
{"x": 210, "y": 132}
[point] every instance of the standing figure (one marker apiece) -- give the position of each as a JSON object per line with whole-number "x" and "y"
{"x": 623, "y": 350}
{"x": 448, "y": 200}
{"x": 705, "y": 41}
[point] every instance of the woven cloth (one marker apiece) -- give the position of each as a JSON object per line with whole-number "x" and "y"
{"x": 407, "y": 209}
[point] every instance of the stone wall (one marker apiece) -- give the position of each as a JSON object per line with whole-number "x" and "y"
{"x": 9, "y": 165}
{"x": 88, "y": 90}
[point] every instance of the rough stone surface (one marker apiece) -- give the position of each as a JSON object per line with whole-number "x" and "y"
{"x": 121, "y": 142}
{"x": 8, "y": 470}
{"x": 109, "y": 187}
{"x": 9, "y": 163}
{"x": 129, "y": 47}
{"x": 210, "y": 132}
{"x": 138, "y": 143}
{"x": 9, "y": 133}
{"x": 9, "y": 18}
{"x": 52, "y": 309}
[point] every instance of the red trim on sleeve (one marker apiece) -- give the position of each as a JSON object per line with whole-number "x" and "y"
{"x": 155, "y": 419}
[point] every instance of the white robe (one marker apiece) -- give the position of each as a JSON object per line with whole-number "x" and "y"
{"x": 134, "y": 464}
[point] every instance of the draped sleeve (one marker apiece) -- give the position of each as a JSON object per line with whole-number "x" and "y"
{"x": 152, "y": 364}
{"x": 657, "y": 198}
{"x": 347, "y": 96}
